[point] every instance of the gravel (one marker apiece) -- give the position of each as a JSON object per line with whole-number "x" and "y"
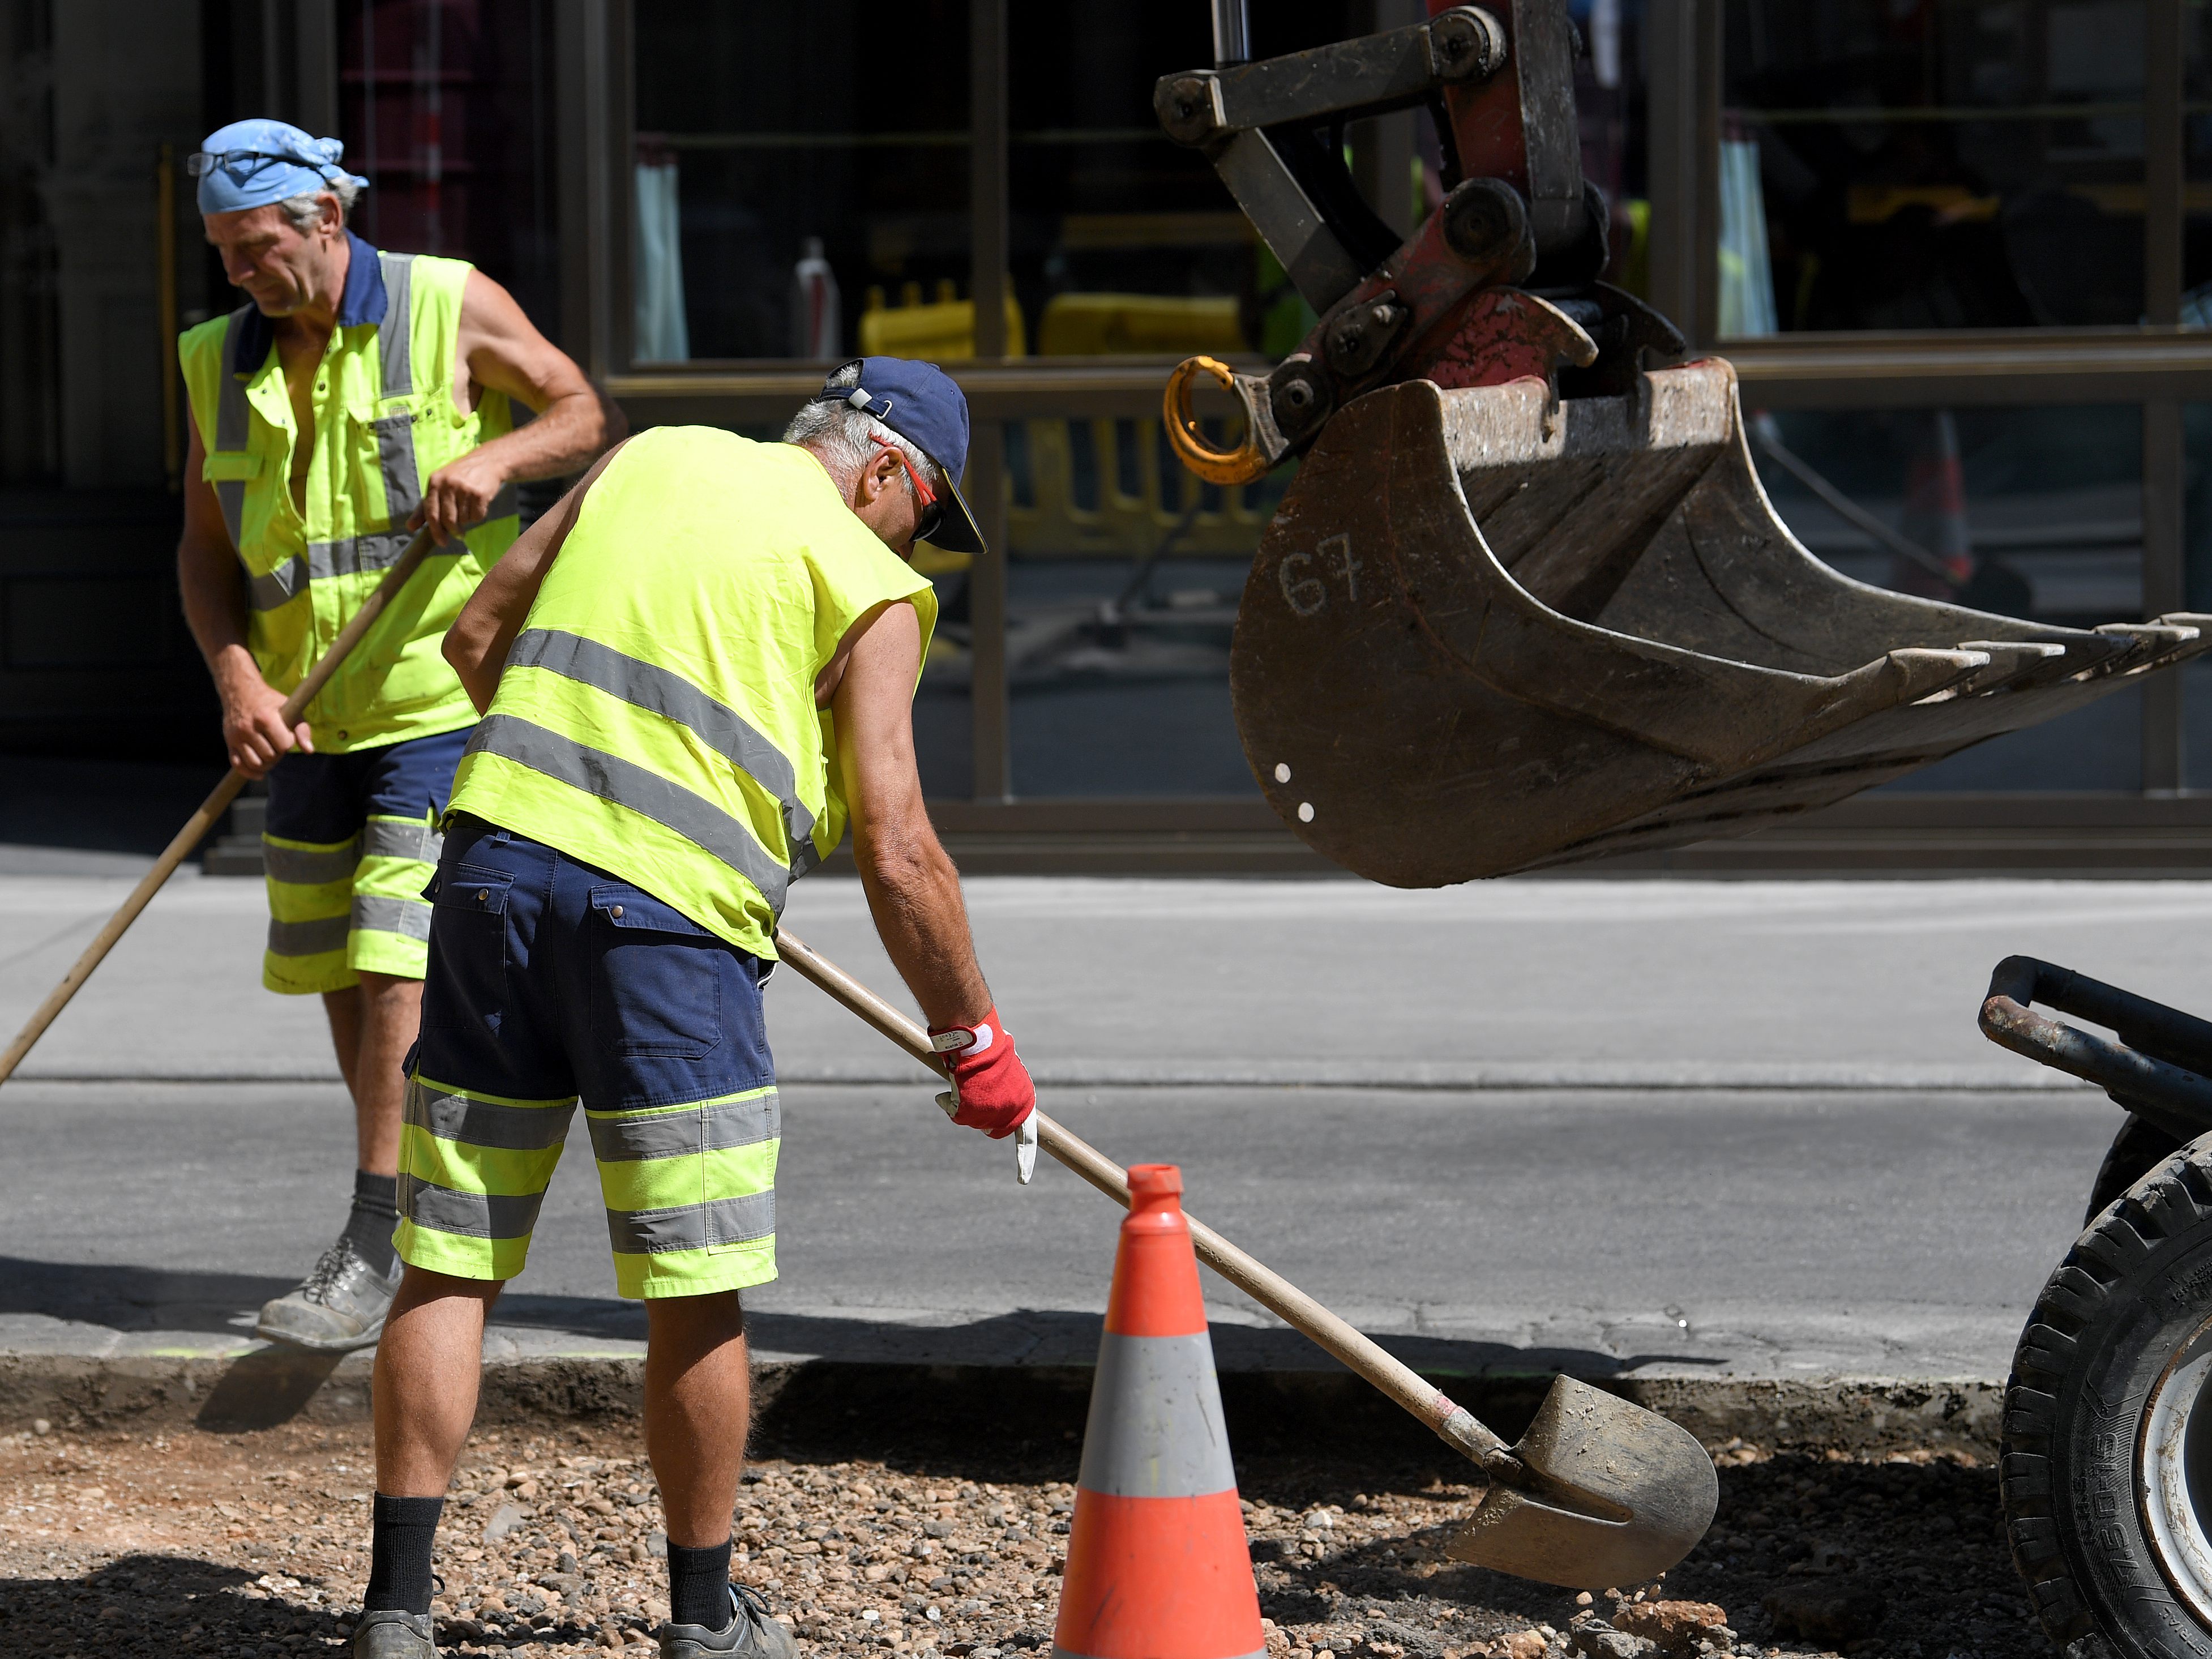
{"x": 257, "y": 1545}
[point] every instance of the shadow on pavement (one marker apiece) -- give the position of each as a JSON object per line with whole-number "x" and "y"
{"x": 126, "y": 1297}
{"x": 161, "y": 1603}
{"x": 1052, "y": 1337}
{"x": 123, "y": 1297}
{"x": 265, "y": 1388}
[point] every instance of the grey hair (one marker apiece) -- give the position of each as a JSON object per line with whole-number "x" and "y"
{"x": 839, "y": 436}
{"x": 305, "y": 210}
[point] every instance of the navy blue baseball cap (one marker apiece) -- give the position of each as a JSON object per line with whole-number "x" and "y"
{"x": 920, "y": 403}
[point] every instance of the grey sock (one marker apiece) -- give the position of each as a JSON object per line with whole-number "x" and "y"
{"x": 375, "y": 1213}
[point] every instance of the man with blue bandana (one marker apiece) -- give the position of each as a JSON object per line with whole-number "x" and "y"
{"x": 359, "y": 396}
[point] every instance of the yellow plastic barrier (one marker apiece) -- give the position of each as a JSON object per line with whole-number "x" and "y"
{"x": 942, "y": 330}
{"x": 1100, "y": 324}
{"x": 1045, "y": 521}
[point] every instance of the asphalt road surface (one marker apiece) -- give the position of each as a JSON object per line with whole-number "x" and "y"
{"x": 1740, "y": 1127}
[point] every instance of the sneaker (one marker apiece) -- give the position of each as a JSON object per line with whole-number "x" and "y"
{"x": 337, "y": 1308}
{"x": 750, "y": 1631}
{"x": 391, "y": 1634}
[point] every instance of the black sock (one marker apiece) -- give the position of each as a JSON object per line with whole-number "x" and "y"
{"x": 375, "y": 1213}
{"x": 699, "y": 1585}
{"x": 399, "y": 1554}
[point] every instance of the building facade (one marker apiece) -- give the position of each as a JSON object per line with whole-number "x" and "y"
{"x": 1960, "y": 253}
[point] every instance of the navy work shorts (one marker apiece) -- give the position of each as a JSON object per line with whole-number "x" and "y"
{"x": 349, "y": 842}
{"x": 551, "y": 980}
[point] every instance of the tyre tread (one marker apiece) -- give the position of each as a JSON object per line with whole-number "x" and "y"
{"x": 2154, "y": 1207}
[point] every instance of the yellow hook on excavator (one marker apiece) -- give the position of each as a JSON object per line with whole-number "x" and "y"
{"x": 1246, "y": 463}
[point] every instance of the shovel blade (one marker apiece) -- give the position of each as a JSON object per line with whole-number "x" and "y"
{"x": 1617, "y": 1495}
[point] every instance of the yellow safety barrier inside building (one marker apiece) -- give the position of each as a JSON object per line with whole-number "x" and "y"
{"x": 1135, "y": 494}
{"x": 940, "y": 332}
{"x": 1118, "y": 325}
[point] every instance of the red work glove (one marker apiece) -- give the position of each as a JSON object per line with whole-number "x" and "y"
{"x": 991, "y": 1087}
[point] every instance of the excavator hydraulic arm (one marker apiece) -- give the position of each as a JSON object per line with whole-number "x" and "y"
{"x": 1526, "y": 602}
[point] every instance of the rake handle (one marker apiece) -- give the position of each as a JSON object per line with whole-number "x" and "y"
{"x": 1396, "y": 1379}
{"x": 218, "y": 801}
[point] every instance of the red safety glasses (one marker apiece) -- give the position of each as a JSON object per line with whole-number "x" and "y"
{"x": 933, "y": 511}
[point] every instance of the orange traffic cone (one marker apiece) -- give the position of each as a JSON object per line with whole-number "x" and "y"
{"x": 1157, "y": 1563}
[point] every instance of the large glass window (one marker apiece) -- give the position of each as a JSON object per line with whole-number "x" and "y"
{"x": 1939, "y": 166}
{"x": 943, "y": 704}
{"x": 2034, "y": 513}
{"x": 446, "y": 106}
{"x": 1120, "y": 240}
{"x": 1122, "y": 589}
{"x": 1931, "y": 164}
{"x": 2196, "y": 586}
{"x": 799, "y": 183}
{"x": 1124, "y": 241}
{"x": 1125, "y": 571}
{"x": 2196, "y": 164}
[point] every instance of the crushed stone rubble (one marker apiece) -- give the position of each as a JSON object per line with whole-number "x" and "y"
{"x": 257, "y": 1545}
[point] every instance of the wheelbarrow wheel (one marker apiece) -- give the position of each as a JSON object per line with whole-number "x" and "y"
{"x": 2107, "y": 1463}
{"x": 2138, "y": 1149}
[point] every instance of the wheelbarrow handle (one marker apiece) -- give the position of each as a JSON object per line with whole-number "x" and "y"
{"x": 1449, "y": 1421}
{"x": 2175, "y": 1097}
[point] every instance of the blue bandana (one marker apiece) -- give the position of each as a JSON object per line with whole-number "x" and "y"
{"x": 250, "y": 164}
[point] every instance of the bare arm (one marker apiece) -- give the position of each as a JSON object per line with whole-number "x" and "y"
{"x": 477, "y": 643}
{"x": 213, "y": 587}
{"x": 914, "y": 891}
{"x": 505, "y": 352}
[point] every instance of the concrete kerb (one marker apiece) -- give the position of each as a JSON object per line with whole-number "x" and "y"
{"x": 819, "y": 1402}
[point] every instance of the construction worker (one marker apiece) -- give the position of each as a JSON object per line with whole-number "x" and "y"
{"x": 358, "y": 395}
{"x": 693, "y": 671}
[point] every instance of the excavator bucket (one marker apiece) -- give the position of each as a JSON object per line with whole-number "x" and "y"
{"x": 1526, "y": 603}
{"x": 1490, "y": 630}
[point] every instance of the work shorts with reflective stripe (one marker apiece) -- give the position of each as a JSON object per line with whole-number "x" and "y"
{"x": 552, "y": 981}
{"x": 349, "y": 843}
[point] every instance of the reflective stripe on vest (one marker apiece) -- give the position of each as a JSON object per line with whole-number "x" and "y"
{"x": 313, "y": 536}
{"x": 657, "y": 716}
{"x": 395, "y": 454}
{"x": 655, "y": 690}
{"x": 646, "y": 792}
{"x": 354, "y": 555}
{"x": 395, "y": 433}
{"x": 398, "y": 354}
{"x": 234, "y": 426}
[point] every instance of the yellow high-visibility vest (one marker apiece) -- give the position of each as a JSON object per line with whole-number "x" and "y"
{"x": 384, "y": 421}
{"x": 656, "y": 715}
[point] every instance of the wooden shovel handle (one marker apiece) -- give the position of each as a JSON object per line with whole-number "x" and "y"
{"x": 1423, "y": 1400}
{"x": 218, "y": 801}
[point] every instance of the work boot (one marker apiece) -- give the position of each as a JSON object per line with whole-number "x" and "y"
{"x": 750, "y": 1631}
{"x": 390, "y": 1634}
{"x": 337, "y": 1308}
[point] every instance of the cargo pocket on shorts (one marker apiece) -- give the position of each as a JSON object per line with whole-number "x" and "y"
{"x": 656, "y": 977}
{"x": 466, "y": 987}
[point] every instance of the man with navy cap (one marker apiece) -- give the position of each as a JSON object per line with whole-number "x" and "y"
{"x": 694, "y": 672}
{"x": 358, "y": 395}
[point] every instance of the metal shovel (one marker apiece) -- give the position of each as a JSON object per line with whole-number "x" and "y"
{"x": 1598, "y": 1492}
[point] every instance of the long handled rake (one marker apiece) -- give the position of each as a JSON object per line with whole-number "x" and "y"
{"x": 218, "y": 802}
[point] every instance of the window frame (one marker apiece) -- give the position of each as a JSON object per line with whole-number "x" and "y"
{"x": 2157, "y": 365}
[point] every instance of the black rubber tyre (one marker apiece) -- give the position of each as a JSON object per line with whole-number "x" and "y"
{"x": 2131, "y": 1294}
{"x": 2135, "y": 1153}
